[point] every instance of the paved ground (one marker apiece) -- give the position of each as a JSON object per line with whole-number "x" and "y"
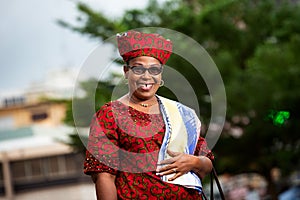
{"x": 83, "y": 191}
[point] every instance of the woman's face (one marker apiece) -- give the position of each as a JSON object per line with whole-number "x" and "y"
{"x": 142, "y": 84}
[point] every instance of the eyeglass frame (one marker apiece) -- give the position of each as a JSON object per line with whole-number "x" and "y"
{"x": 131, "y": 67}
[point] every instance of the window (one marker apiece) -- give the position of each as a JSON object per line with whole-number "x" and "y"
{"x": 72, "y": 163}
{"x": 52, "y": 165}
{"x": 18, "y": 170}
{"x": 14, "y": 101}
{"x": 26, "y": 171}
{"x": 36, "y": 167}
{"x": 39, "y": 116}
{"x": 43, "y": 170}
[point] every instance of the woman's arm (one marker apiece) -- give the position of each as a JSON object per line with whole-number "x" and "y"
{"x": 202, "y": 166}
{"x": 105, "y": 186}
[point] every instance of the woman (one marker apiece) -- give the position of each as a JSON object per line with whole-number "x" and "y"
{"x": 143, "y": 146}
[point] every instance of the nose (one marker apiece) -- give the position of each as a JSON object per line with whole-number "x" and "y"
{"x": 146, "y": 75}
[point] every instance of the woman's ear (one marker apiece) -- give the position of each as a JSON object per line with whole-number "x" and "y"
{"x": 125, "y": 70}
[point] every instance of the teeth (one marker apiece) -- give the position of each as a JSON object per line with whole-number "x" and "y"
{"x": 146, "y": 86}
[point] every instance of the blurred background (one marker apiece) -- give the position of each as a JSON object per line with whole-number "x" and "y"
{"x": 255, "y": 45}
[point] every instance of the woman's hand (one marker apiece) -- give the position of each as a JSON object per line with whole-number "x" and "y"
{"x": 181, "y": 163}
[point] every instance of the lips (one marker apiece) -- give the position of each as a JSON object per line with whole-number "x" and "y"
{"x": 145, "y": 86}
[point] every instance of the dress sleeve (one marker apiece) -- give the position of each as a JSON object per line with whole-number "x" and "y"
{"x": 202, "y": 149}
{"x": 102, "y": 148}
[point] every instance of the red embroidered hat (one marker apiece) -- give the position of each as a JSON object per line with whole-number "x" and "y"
{"x": 132, "y": 44}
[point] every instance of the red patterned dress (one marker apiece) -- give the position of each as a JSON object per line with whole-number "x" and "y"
{"x": 125, "y": 142}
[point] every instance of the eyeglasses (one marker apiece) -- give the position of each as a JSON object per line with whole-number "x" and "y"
{"x": 140, "y": 69}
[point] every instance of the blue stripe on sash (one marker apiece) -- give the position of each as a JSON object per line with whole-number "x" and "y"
{"x": 188, "y": 117}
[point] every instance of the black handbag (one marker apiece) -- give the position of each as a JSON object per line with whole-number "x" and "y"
{"x": 214, "y": 177}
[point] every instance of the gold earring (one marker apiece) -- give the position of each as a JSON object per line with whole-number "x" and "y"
{"x": 161, "y": 83}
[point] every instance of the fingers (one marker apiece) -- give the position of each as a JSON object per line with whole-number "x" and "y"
{"x": 172, "y": 165}
{"x": 167, "y": 166}
{"x": 166, "y": 171}
{"x": 171, "y": 171}
{"x": 175, "y": 176}
{"x": 167, "y": 161}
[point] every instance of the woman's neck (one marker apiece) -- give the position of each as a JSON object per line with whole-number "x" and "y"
{"x": 144, "y": 105}
{"x": 142, "y": 102}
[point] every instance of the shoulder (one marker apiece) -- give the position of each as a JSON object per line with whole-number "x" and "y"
{"x": 104, "y": 109}
{"x": 181, "y": 107}
{"x": 108, "y": 109}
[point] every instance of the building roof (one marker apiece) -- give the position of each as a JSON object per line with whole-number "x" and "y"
{"x": 15, "y": 133}
{"x": 34, "y": 141}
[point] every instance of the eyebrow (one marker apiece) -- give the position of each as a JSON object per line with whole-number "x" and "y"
{"x": 136, "y": 63}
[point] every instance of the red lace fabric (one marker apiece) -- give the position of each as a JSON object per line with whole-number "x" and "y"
{"x": 126, "y": 142}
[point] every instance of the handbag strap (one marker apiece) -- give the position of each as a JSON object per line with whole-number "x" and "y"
{"x": 214, "y": 176}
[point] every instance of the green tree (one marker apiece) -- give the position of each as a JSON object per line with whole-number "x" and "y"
{"x": 255, "y": 45}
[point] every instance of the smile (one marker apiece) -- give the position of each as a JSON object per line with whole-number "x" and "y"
{"x": 145, "y": 86}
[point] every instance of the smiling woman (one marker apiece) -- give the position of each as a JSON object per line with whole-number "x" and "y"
{"x": 144, "y": 146}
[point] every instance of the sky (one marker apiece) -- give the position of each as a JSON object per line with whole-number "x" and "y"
{"x": 32, "y": 44}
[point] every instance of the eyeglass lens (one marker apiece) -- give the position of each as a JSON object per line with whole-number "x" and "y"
{"x": 140, "y": 69}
